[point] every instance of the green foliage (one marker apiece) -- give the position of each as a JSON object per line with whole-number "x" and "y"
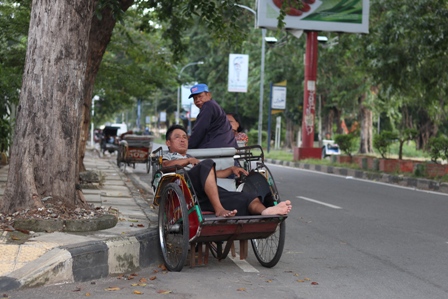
{"x": 253, "y": 138}
{"x": 5, "y": 128}
{"x": 438, "y": 148}
{"x": 346, "y": 142}
{"x": 113, "y": 5}
{"x": 14, "y": 23}
{"x": 134, "y": 66}
{"x": 383, "y": 141}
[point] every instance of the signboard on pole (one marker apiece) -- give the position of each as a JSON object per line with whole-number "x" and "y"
{"x": 317, "y": 15}
{"x": 238, "y": 72}
{"x": 278, "y": 97}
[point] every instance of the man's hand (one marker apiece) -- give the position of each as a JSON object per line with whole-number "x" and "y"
{"x": 238, "y": 170}
{"x": 193, "y": 161}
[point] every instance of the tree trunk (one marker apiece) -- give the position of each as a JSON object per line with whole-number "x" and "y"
{"x": 366, "y": 132}
{"x": 289, "y": 136}
{"x": 328, "y": 122}
{"x": 44, "y": 156}
{"x": 427, "y": 130}
{"x": 99, "y": 38}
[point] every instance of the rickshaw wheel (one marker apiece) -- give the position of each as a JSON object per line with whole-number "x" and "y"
{"x": 173, "y": 227}
{"x": 268, "y": 251}
{"x": 120, "y": 159}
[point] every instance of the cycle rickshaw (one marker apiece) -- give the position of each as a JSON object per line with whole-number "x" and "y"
{"x": 184, "y": 228}
{"x": 134, "y": 149}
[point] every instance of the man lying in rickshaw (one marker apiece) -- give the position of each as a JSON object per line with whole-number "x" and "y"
{"x": 203, "y": 176}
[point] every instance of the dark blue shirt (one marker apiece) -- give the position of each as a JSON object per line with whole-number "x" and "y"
{"x": 212, "y": 128}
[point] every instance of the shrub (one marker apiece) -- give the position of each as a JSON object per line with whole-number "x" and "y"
{"x": 383, "y": 141}
{"x": 438, "y": 148}
{"x": 253, "y": 138}
{"x": 346, "y": 143}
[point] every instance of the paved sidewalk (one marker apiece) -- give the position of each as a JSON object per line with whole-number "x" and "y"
{"x": 50, "y": 258}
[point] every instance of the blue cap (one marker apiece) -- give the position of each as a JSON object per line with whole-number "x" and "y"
{"x": 197, "y": 89}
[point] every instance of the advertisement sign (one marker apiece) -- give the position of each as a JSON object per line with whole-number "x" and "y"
{"x": 162, "y": 116}
{"x": 184, "y": 94}
{"x": 317, "y": 15}
{"x": 238, "y": 72}
{"x": 278, "y": 97}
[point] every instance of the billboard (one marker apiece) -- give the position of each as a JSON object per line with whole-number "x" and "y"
{"x": 238, "y": 72}
{"x": 317, "y": 15}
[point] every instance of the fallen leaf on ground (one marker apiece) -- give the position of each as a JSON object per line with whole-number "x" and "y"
{"x": 162, "y": 266}
{"x": 164, "y": 292}
{"x": 307, "y": 279}
{"x": 300, "y": 280}
{"x": 137, "y": 293}
{"x": 143, "y": 279}
{"x": 152, "y": 277}
{"x": 77, "y": 290}
{"x": 269, "y": 280}
{"x": 112, "y": 289}
{"x": 314, "y": 283}
{"x": 140, "y": 225}
{"x": 241, "y": 289}
{"x": 87, "y": 294}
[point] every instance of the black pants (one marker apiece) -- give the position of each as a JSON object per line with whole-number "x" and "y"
{"x": 230, "y": 200}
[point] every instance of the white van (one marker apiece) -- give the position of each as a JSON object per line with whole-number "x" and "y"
{"x": 123, "y": 128}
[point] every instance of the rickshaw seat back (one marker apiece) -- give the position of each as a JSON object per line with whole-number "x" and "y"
{"x": 223, "y": 158}
{"x": 138, "y": 141}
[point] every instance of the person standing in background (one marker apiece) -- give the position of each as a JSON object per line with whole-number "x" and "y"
{"x": 212, "y": 128}
{"x": 240, "y": 136}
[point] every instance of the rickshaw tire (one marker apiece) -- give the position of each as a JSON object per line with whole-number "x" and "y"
{"x": 173, "y": 235}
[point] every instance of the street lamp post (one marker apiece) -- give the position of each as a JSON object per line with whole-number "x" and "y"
{"x": 178, "y": 88}
{"x": 263, "y": 51}
{"x": 95, "y": 98}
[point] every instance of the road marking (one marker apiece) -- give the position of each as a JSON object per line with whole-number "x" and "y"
{"x": 319, "y": 202}
{"x": 360, "y": 179}
{"x": 243, "y": 264}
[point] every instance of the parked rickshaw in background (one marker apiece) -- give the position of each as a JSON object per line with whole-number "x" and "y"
{"x": 134, "y": 149}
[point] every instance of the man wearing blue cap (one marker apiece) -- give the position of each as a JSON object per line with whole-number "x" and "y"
{"x": 212, "y": 128}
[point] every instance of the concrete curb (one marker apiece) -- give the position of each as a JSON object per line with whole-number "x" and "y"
{"x": 94, "y": 259}
{"x": 411, "y": 182}
{"x": 87, "y": 261}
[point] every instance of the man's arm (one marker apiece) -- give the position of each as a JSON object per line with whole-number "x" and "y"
{"x": 223, "y": 173}
{"x": 180, "y": 162}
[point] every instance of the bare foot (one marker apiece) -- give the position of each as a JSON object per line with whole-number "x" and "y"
{"x": 282, "y": 208}
{"x": 225, "y": 213}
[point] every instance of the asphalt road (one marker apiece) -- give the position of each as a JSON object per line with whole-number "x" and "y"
{"x": 346, "y": 239}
